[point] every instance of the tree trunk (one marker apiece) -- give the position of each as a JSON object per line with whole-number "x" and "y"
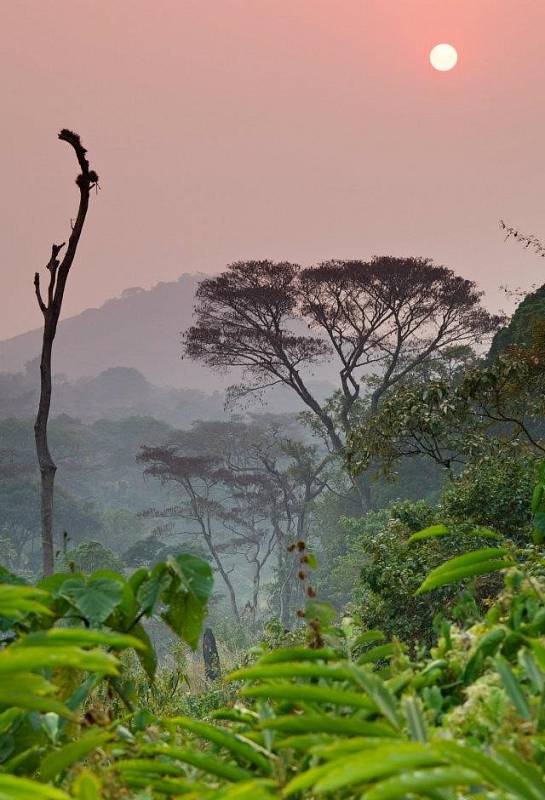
{"x": 50, "y": 306}
{"x": 211, "y": 658}
{"x": 225, "y": 576}
{"x": 45, "y": 461}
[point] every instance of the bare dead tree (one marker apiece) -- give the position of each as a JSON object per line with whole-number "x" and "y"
{"x": 50, "y": 307}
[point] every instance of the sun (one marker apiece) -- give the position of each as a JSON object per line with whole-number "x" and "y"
{"x": 443, "y": 57}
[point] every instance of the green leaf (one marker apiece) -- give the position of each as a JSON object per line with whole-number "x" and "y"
{"x": 203, "y": 761}
{"x": 95, "y": 598}
{"x": 534, "y": 674}
{"x": 150, "y": 589}
{"x": 478, "y": 562}
{"x": 323, "y": 723}
{"x": 285, "y": 669}
{"x": 422, "y": 782}
{"x": 378, "y": 692}
{"x": 16, "y": 788}
{"x": 377, "y": 763}
{"x": 537, "y": 497}
{"x": 415, "y": 719}
{"x": 146, "y": 652}
{"x": 538, "y": 649}
{"x": 512, "y": 687}
{"x": 368, "y": 637}
{"x": 305, "y": 693}
{"x": 430, "y": 532}
{"x": 499, "y": 775}
{"x": 56, "y": 762}
{"x": 80, "y": 637}
{"x": 31, "y": 692}
{"x": 184, "y": 615}
{"x": 20, "y": 659}
{"x": 378, "y": 653}
{"x": 237, "y": 745}
{"x": 247, "y": 790}
{"x": 87, "y": 786}
{"x": 17, "y": 601}
{"x": 532, "y": 777}
{"x": 299, "y": 654}
{"x": 196, "y": 576}
{"x": 186, "y": 597}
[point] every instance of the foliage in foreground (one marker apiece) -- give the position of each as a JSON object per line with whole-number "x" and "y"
{"x": 347, "y": 715}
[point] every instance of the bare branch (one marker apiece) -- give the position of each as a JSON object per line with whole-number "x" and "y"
{"x": 43, "y": 307}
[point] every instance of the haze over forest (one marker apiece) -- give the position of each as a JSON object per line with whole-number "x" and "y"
{"x": 272, "y": 400}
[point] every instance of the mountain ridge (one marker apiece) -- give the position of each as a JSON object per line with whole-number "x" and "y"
{"x": 140, "y": 329}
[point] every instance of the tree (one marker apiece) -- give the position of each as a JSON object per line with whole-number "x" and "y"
{"x": 247, "y": 490}
{"x": 376, "y": 320}
{"x": 51, "y": 309}
{"x": 451, "y": 422}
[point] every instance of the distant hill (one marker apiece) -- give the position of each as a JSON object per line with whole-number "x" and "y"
{"x": 114, "y": 394}
{"x": 141, "y": 329}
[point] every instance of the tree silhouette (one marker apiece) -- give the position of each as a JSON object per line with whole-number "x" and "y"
{"x": 375, "y": 321}
{"x": 50, "y": 307}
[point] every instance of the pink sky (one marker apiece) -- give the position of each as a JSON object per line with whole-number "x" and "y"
{"x": 284, "y": 129}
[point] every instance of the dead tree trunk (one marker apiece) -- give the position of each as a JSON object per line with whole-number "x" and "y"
{"x": 51, "y": 309}
{"x": 211, "y": 658}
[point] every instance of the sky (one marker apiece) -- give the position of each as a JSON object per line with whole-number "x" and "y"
{"x": 284, "y": 129}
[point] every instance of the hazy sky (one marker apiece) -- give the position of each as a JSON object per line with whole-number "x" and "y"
{"x": 284, "y": 129}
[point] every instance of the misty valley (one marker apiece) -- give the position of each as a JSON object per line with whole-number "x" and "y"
{"x": 272, "y": 410}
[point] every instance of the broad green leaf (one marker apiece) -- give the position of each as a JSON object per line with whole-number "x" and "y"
{"x": 149, "y": 589}
{"x": 196, "y": 575}
{"x": 146, "y": 651}
{"x": 94, "y": 598}
{"x": 186, "y": 597}
{"x": 184, "y": 615}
